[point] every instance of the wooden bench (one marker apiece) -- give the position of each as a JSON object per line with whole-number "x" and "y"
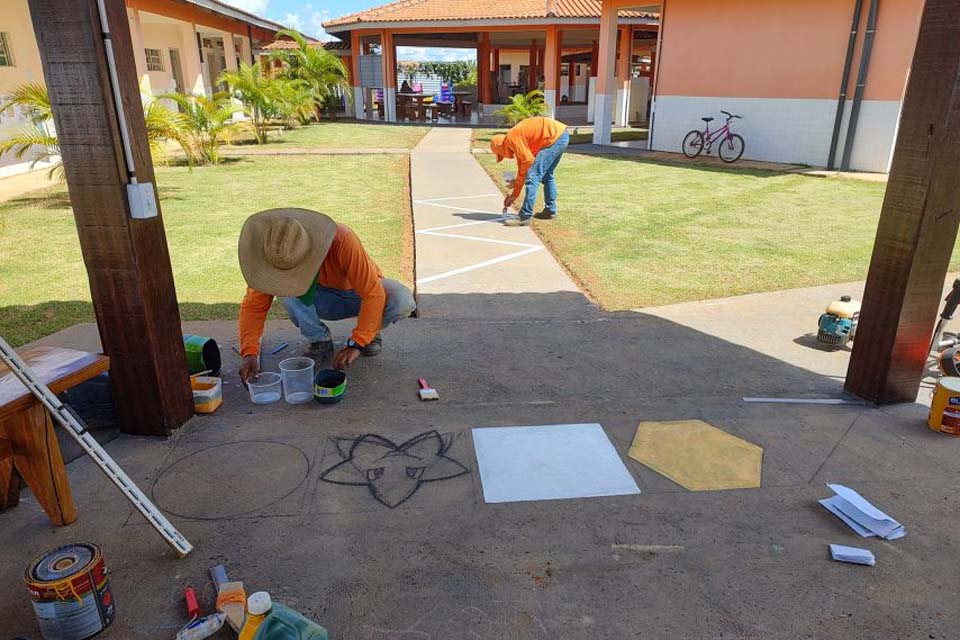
{"x": 29, "y": 451}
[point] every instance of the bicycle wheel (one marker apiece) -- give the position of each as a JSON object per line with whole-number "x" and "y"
{"x": 731, "y": 148}
{"x": 693, "y": 144}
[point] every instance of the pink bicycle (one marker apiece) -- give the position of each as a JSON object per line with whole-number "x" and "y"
{"x": 730, "y": 146}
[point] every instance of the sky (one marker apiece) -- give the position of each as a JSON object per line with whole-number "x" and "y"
{"x": 308, "y": 17}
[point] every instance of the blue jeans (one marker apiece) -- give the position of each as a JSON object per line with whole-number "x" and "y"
{"x": 542, "y": 171}
{"x": 337, "y": 304}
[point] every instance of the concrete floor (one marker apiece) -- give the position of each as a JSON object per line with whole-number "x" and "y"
{"x": 245, "y": 483}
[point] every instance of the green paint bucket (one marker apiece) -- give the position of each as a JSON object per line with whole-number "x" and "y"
{"x": 329, "y": 386}
{"x": 203, "y": 354}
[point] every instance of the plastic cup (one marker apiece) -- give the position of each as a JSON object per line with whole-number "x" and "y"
{"x": 509, "y": 177}
{"x": 265, "y": 388}
{"x": 297, "y": 374}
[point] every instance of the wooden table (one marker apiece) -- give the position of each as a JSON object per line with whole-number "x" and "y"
{"x": 29, "y": 450}
{"x": 458, "y": 97}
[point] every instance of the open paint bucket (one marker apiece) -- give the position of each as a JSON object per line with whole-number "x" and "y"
{"x": 70, "y": 592}
{"x": 329, "y": 386}
{"x": 945, "y": 407}
{"x": 203, "y": 354}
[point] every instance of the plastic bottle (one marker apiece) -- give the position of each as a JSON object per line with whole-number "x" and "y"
{"x": 202, "y": 628}
{"x": 283, "y": 623}
{"x": 258, "y": 607}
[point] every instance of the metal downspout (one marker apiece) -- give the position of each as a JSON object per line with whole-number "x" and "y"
{"x": 861, "y": 83}
{"x": 844, "y": 81}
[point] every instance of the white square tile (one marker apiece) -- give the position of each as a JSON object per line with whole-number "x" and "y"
{"x": 549, "y": 463}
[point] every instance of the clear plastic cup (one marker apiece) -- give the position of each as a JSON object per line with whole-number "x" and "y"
{"x": 265, "y": 388}
{"x": 297, "y": 374}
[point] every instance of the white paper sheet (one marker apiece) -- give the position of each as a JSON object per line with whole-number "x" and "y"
{"x": 549, "y": 463}
{"x": 853, "y": 555}
{"x": 861, "y": 516}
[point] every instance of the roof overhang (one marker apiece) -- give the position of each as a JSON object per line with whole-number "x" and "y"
{"x": 441, "y": 25}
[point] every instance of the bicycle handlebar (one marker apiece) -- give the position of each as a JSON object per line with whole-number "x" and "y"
{"x": 729, "y": 115}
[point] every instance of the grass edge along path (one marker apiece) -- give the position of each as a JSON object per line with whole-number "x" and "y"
{"x": 636, "y": 233}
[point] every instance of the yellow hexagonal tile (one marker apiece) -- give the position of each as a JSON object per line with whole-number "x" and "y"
{"x": 697, "y": 455}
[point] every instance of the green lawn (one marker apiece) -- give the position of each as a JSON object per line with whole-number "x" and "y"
{"x": 578, "y": 135}
{"x": 341, "y": 135}
{"x": 43, "y": 285}
{"x": 641, "y": 233}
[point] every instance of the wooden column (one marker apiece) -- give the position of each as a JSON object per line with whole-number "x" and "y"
{"x": 918, "y": 221}
{"x": 483, "y": 68}
{"x": 496, "y": 89}
{"x": 127, "y": 261}
{"x": 532, "y": 67}
{"x": 388, "y": 61}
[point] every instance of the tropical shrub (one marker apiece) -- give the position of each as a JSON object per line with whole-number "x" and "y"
{"x": 38, "y": 137}
{"x": 203, "y": 123}
{"x": 264, "y": 97}
{"x": 523, "y": 106}
{"x": 323, "y": 72}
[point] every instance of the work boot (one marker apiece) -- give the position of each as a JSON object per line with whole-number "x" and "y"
{"x": 546, "y": 214}
{"x": 320, "y": 352}
{"x": 373, "y": 348}
{"x": 517, "y": 222}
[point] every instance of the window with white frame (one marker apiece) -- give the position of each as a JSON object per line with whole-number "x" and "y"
{"x": 6, "y": 53}
{"x": 154, "y": 60}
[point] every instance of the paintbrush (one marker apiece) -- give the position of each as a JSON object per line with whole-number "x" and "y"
{"x": 427, "y": 392}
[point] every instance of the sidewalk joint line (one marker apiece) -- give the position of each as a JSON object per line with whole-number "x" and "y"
{"x": 492, "y": 240}
{"x": 432, "y": 200}
{"x": 464, "y": 224}
{"x": 479, "y": 265}
{"x": 455, "y": 208}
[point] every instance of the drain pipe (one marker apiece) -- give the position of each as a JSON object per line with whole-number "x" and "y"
{"x": 844, "y": 81}
{"x": 861, "y": 83}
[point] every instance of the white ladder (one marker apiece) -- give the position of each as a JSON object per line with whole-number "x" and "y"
{"x": 69, "y": 421}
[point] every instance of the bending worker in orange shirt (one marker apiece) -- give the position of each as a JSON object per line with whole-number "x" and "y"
{"x": 537, "y": 144}
{"x": 320, "y": 271}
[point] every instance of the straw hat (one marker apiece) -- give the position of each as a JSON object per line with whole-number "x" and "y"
{"x": 496, "y": 146}
{"x": 281, "y": 249}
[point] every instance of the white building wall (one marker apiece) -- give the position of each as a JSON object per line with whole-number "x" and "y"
{"x": 162, "y": 37}
{"x": 782, "y": 130}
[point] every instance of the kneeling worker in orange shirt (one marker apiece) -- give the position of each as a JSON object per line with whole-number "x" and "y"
{"x": 320, "y": 271}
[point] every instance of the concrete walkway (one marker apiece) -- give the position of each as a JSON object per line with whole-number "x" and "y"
{"x": 462, "y": 247}
{"x": 15, "y": 186}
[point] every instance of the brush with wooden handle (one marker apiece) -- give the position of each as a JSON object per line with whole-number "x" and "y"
{"x": 427, "y": 392}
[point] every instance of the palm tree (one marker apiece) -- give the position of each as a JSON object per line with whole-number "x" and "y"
{"x": 323, "y": 72}
{"x": 523, "y": 106}
{"x": 264, "y": 97}
{"x": 202, "y": 124}
{"x": 38, "y": 136}
{"x": 298, "y": 102}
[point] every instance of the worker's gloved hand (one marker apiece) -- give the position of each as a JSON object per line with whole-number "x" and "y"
{"x": 345, "y": 357}
{"x": 507, "y": 202}
{"x": 249, "y": 368}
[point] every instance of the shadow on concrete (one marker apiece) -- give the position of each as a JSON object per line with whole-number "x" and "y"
{"x": 810, "y": 341}
{"x": 448, "y": 565}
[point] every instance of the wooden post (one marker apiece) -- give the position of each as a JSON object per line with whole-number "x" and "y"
{"x": 606, "y": 69}
{"x": 918, "y": 221}
{"x": 388, "y": 61}
{"x": 532, "y": 67}
{"x": 483, "y": 68}
{"x": 128, "y": 264}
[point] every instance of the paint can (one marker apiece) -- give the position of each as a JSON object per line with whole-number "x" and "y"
{"x": 945, "y": 407}
{"x": 70, "y": 592}
{"x": 203, "y": 354}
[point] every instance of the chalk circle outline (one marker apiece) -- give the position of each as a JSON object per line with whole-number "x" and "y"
{"x": 273, "y": 501}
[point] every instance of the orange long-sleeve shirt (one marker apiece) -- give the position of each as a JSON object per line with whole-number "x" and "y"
{"x": 347, "y": 266}
{"x": 526, "y": 139}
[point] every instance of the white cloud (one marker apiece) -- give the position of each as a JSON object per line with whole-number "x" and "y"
{"x": 317, "y": 18}
{"x": 253, "y": 6}
{"x": 293, "y": 20}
